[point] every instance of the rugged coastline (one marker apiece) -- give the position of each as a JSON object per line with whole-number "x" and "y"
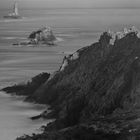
{"x": 95, "y": 93}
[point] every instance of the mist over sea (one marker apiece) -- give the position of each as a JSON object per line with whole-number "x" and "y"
{"x": 74, "y": 28}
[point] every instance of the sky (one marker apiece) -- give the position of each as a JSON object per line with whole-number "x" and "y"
{"x": 71, "y": 3}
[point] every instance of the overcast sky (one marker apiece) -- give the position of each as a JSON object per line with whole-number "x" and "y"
{"x": 72, "y": 3}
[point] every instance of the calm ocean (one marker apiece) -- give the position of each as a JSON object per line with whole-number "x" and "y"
{"x": 75, "y": 28}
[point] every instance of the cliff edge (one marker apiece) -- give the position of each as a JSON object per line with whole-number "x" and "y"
{"x": 96, "y": 92}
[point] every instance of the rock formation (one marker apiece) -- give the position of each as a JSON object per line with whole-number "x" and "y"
{"x": 120, "y": 35}
{"x": 96, "y": 95}
{"x": 43, "y": 36}
{"x": 30, "y": 87}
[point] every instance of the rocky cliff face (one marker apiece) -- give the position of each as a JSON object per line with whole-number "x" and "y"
{"x": 30, "y": 87}
{"x": 96, "y": 95}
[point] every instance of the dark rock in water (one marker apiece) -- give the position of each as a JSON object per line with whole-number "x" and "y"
{"x": 35, "y": 117}
{"x": 30, "y": 87}
{"x": 15, "y": 44}
{"x": 25, "y": 43}
{"x": 43, "y": 115}
{"x": 42, "y": 36}
{"x": 95, "y": 93}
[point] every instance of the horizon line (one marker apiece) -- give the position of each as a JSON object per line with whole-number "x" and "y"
{"x": 43, "y": 8}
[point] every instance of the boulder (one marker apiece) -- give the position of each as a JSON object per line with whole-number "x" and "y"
{"x": 44, "y": 36}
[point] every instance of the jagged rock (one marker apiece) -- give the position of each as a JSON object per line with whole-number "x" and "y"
{"x": 120, "y": 35}
{"x": 30, "y": 87}
{"x": 42, "y": 115}
{"x": 35, "y": 117}
{"x": 64, "y": 64}
{"x": 44, "y": 36}
{"x": 95, "y": 96}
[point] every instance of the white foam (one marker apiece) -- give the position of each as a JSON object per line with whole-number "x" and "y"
{"x": 12, "y": 38}
{"x": 12, "y": 20}
{"x": 2, "y": 94}
{"x": 58, "y": 39}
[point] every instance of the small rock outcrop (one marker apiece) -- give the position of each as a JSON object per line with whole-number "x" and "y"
{"x": 96, "y": 92}
{"x": 44, "y": 36}
{"x": 30, "y": 87}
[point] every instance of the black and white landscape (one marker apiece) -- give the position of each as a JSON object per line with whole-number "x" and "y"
{"x": 70, "y": 70}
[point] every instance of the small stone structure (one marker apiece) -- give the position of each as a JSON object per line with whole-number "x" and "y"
{"x": 119, "y": 35}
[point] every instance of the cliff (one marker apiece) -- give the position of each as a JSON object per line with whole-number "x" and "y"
{"x": 95, "y": 94}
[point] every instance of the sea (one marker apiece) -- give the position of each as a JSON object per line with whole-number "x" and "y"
{"x": 74, "y": 29}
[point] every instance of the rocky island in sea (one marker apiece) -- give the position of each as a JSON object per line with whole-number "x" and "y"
{"x": 95, "y": 93}
{"x": 41, "y": 36}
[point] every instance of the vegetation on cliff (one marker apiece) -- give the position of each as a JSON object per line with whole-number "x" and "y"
{"x": 95, "y": 96}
